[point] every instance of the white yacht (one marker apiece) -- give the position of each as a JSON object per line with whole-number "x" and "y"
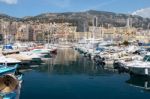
{"x": 140, "y": 67}
{"x": 36, "y": 59}
{"x": 137, "y": 65}
{"x": 8, "y": 61}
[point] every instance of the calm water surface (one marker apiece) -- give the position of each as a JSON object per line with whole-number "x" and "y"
{"x": 71, "y": 76}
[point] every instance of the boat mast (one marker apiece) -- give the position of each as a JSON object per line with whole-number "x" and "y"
{"x": 94, "y": 27}
{"x": 148, "y": 27}
{"x": 49, "y": 34}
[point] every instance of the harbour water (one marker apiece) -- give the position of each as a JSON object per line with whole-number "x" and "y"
{"x": 69, "y": 75}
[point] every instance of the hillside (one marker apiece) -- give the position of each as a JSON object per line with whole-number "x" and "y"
{"x": 8, "y": 18}
{"x": 82, "y": 19}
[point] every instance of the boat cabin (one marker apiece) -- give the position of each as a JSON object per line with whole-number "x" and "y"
{"x": 147, "y": 58}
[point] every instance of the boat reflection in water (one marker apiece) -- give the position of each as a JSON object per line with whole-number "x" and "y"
{"x": 64, "y": 57}
{"x": 139, "y": 82}
{"x": 70, "y": 62}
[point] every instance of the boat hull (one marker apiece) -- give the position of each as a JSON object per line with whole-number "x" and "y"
{"x": 11, "y": 64}
{"x": 37, "y": 61}
{"x": 140, "y": 71}
{"x": 6, "y": 70}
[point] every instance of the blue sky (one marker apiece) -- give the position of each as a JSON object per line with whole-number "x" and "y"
{"x": 21, "y": 8}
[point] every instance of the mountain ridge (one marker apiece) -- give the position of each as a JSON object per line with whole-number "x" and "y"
{"x": 84, "y": 19}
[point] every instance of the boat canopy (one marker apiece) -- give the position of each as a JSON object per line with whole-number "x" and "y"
{"x": 8, "y": 46}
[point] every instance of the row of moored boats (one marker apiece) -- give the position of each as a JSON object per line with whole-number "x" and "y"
{"x": 132, "y": 58}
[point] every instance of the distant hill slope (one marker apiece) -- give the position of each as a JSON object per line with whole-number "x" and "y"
{"x": 84, "y": 19}
{"x": 8, "y": 18}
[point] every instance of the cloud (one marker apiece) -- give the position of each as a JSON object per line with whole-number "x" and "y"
{"x": 9, "y": 1}
{"x": 145, "y": 12}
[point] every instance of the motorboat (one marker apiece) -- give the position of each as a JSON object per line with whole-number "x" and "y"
{"x": 138, "y": 66}
{"x": 25, "y": 59}
{"x": 8, "y": 49}
{"x": 36, "y": 59}
{"x": 122, "y": 62}
{"x": 9, "y": 61}
{"x": 44, "y": 54}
